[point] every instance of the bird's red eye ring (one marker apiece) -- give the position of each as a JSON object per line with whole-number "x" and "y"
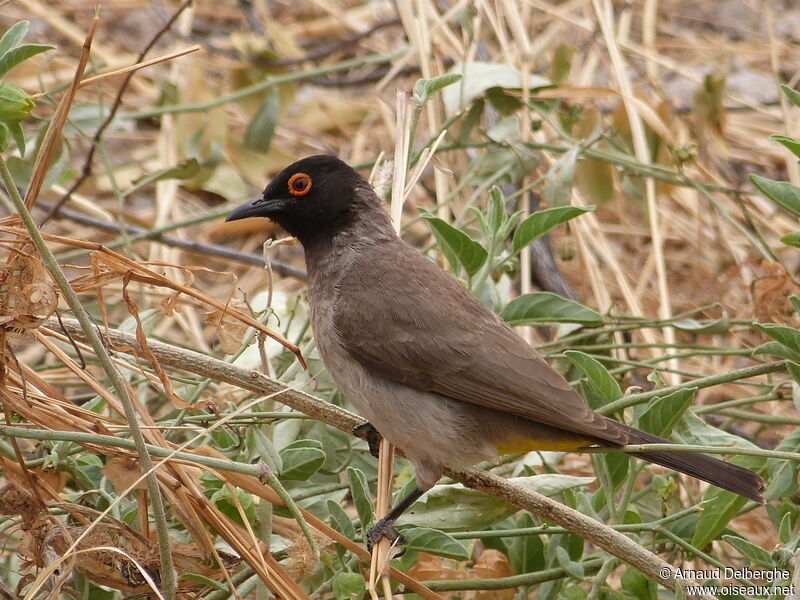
{"x": 299, "y": 184}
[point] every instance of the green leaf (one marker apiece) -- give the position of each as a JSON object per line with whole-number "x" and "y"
{"x": 719, "y": 507}
{"x": 5, "y": 137}
{"x": 783, "y": 473}
{"x": 638, "y": 584}
{"x": 795, "y": 303}
{"x": 756, "y": 554}
{"x": 792, "y": 94}
{"x": 557, "y": 188}
{"x": 183, "y": 170}
{"x": 527, "y": 551}
{"x": 505, "y": 131}
{"x": 12, "y": 58}
{"x": 301, "y": 459}
{"x": 788, "y": 336}
{"x": 692, "y": 430}
{"x": 424, "y": 539}
{"x": 496, "y": 210}
{"x": 223, "y": 500}
{"x": 782, "y": 193}
{"x": 262, "y": 126}
{"x": 458, "y": 247}
{"x": 359, "y": 490}
{"x": 547, "y": 307}
{"x": 711, "y": 327}
{"x": 777, "y": 349}
{"x": 599, "y": 378}
{"x": 570, "y": 566}
{"x": 223, "y": 438}
{"x": 452, "y": 507}
{"x": 482, "y": 76}
{"x": 663, "y": 413}
{"x": 340, "y": 520}
{"x": 794, "y": 370}
{"x": 15, "y": 103}
{"x": 19, "y": 137}
{"x": 792, "y": 144}
{"x": 785, "y": 528}
{"x": 206, "y": 581}
{"x": 425, "y": 89}
{"x": 469, "y": 122}
{"x": 349, "y": 586}
{"x": 791, "y": 239}
{"x": 262, "y": 447}
{"x": 13, "y": 37}
{"x": 542, "y": 221}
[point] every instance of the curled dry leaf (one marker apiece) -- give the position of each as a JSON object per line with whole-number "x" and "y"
{"x": 229, "y": 330}
{"x": 27, "y": 297}
{"x": 490, "y": 564}
{"x": 430, "y": 567}
{"x": 771, "y": 295}
{"x": 109, "y": 552}
{"x": 123, "y": 472}
{"x": 493, "y": 564}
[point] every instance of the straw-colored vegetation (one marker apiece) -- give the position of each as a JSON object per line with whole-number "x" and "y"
{"x": 149, "y": 441}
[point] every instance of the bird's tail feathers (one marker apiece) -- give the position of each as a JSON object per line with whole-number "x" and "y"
{"x": 725, "y": 475}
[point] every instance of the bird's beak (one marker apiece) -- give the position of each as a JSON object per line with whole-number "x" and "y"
{"x": 260, "y": 207}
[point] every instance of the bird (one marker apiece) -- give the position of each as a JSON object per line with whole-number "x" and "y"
{"x": 430, "y": 367}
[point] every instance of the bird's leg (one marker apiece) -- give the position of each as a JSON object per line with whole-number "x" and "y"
{"x": 368, "y": 432}
{"x": 385, "y": 527}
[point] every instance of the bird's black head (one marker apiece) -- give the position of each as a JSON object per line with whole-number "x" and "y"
{"x": 311, "y": 199}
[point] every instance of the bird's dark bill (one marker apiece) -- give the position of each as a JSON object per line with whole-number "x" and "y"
{"x": 255, "y": 208}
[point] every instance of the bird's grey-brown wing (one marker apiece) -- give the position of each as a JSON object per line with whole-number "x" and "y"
{"x": 402, "y": 318}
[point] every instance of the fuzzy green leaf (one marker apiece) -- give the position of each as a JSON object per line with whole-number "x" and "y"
{"x": 777, "y": 349}
{"x": 662, "y": 414}
{"x": 15, "y": 103}
{"x": 547, "y": 307}
{"x": 452, "y": 507}
{"x": 13, "y": 37}
{"x": 789, "y": 142}
{"x": 425, "y": 89}
{"x": 19, "y": 137}
{"x": 783, "y": 473}
{"x": 788, "y": 336}
{"x": 262, "y": 126}
{"x": 301, "y": 459}
{"x": 359, "y": 490}
{"x": 694, "y": 326}
{"x": 781, "y": 192}
{"x": 458, "y": 247}
{"x": 206, "y": 581}
{"x": 13, "y": 57}
{"x": 756, "y": 554}
{"x": 349, "y": 586}
{"x": 433, "y": 541}
{"x": 340, "y": 520}
{"x": 542, "y": 221}
{"x": 791, "y": 239}
{"x": 792, "y": 94}
{"x": 527, "y": 551}
{"x": 599, "y": 377}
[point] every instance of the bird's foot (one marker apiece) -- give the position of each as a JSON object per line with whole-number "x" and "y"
{"x": 366, "y": 431}
{"x": 384, "y": 528}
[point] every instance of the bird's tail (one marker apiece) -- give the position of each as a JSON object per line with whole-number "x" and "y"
{"x": 725, "y": 475}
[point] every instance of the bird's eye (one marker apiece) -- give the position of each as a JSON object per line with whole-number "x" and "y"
{"x": 299, "y": 184}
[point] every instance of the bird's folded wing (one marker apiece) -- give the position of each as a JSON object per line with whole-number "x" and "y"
{"x": 406, "y": 320}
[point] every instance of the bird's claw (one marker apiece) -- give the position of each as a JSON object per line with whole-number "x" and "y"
{"x": 385, "y": 529}
{"x": 368, "y": 432}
